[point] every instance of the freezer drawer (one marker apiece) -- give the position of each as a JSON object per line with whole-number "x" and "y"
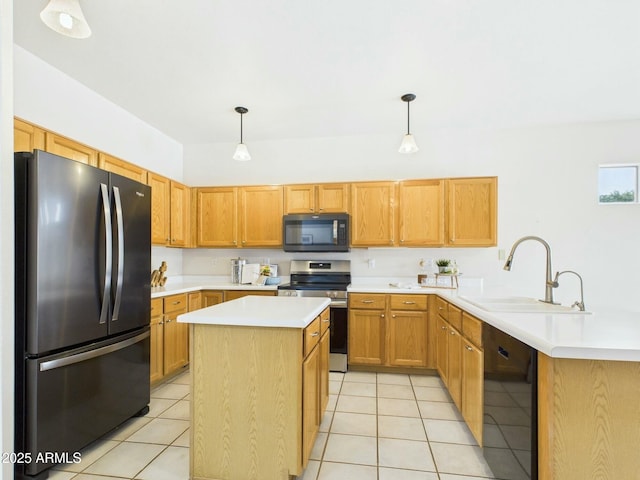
{"x": 72, "y": 399}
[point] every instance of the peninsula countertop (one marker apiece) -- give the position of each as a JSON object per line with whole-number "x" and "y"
{"x": 259, "y": 311}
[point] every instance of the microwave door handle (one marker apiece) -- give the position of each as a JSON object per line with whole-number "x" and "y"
{"x": 335, "y": 232}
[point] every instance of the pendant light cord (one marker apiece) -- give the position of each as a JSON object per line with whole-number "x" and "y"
{"x": 408, "y": 116}
{"x": 241, "y": 127}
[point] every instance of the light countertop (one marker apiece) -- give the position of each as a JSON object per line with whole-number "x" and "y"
{"x": 600, "y": 335}
{"x": 193, "y": 284}
{"x": 260, "y": 311}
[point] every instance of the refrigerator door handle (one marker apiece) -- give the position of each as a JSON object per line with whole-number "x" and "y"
{"x": 108, "y": 261}
{"x": 98, "y": 352}
{"x": 121, "y": 249}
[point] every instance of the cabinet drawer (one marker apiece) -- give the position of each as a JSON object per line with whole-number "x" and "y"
{"x": 472, "y": 329}
{"x": 367, "y": 300}
{"x": 454, "y": 316}
{"x": 311, "y": 335}
{"x": 324, "y": 320}
{"x": 175, "y": 303}
{"x": 441, "y": 307}
{"x": 408, "y": 302}
{"x": 156, "y": 307}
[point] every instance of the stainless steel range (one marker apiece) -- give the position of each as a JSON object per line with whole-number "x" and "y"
{"x": 325, "y": 278}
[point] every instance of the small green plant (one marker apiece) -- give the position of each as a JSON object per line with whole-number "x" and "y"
{"x": 442, "y": 262}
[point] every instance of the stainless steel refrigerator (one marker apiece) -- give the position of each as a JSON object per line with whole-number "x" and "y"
{"x": 83, "y": 263}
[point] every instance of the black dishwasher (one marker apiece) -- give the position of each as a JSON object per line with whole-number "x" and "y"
{"x": 510, "y": 430}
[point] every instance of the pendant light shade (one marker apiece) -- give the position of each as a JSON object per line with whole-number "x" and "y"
{"x": 66, "y": 18}
{"x": 408, "y": 144}
{"x": 242, "y": 153}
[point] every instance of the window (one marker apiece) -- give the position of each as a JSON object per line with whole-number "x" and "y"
{"x": 618, "y": 183}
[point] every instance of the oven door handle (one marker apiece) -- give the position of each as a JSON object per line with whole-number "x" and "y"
{"x": 338, "y": 304}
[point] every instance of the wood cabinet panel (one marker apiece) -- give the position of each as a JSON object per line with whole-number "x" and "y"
{"x": 261, "y": 210}
{"x": 333, "y": 198}
{"x": 366, "y": 337}
{"x": 472, "y": 211}
{"x": 454, "y": 317}
{"x": 194, "y": 301}
{"x": 472, "y": 329}
{"x": 160, "y": 208}
{"x": 442, "y": 350}
{"x": 212, "y": 297}
{"x": 27, "y": 137}
{"x": 473, "y": 388}
{"x": 421, "y": 213}
{"x": 121, "y": 167}
{"x": 68, "y": 148}
{"x": 407, "y": 338}
{"x": 156, "y": 341}
{"x": 233, "y": 294}
{"x": 217, "y": 217}
{"x": 375, "y": 301}
{"x": 408, "y": 302}
{"x": 454, "y": 366}
{"x": 311, "y": 336}
{"x": 372, "y": 214}
{"x": 310, "y": 401}
{"x": 299, "y": 198}
{"x": 180, "y": 214}
{"x": 324, "y": 370}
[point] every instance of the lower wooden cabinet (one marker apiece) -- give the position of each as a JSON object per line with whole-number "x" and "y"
{"x": 454, "y": 365}
{"x": 473, "y": 388}
{"x": 388, "y": 330}
{"x": 233, "y": 294}
{"x": 310, "y": 401}
{"x": 169, "y": 338}
{"x": 212, "y": 297}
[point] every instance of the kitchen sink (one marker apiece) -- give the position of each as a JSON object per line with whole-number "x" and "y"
{"x": 519, "y": 305}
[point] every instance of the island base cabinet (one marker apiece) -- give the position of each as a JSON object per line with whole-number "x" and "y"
{"x": 589, "y": 419}
{"x": 256, "y": 402}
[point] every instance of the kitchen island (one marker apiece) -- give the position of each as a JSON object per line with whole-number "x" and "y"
{"x": 259, "y": 386}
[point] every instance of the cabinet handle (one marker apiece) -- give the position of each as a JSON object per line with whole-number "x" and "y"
{"x": 173, "y": 239}
{"x": 320, "y": 209}
{"x": 315, "y": 334}
{"x": 160, "y": 323}
{"x": 469, "y": 348}
{"x": 367, "y": 301}
{"x": 168, "y": 321}
{"x": 382, "y": 315}
{"x": 177, "y": 303}
{"x": 440, "y": 308}
{"x": 408, "y": 302}
{"x": 326, "y": 321}
{"x": 453, "y": 332}
{"x": 235, "y": 242}
{"x": 443, "y": 328}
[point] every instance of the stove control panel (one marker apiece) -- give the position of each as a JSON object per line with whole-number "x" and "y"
{"x": 287, "y": 293}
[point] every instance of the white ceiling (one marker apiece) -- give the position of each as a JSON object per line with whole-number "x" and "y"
{"x": 311, "y": 68}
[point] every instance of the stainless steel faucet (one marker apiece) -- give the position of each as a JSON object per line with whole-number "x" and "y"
{"x": 549, "y": 284}
{"x": 579, "y": 304}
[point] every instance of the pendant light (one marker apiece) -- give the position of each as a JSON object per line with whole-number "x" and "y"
{"x": 241, "y": 154}
{"x": 66, "y": 18}
{"x": 408, "y": 144}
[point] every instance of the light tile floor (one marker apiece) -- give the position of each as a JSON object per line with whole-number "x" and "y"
{"x": 377, "y": 427}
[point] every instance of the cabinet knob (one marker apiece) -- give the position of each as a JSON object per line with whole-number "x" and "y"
{"x": 453, "y": 332}
{"x": 443, "y": 328}
{"x": 393, "y": 316}
{"x": 168, "y": 321}
{"x": 469, "y": 348}
{"x": 315, "y": 334}
{"x": 160, "y": 323}
{"x": 382, "y": 315}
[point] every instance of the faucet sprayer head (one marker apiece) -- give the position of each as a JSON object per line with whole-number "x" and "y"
{"x": 507, "y": 264}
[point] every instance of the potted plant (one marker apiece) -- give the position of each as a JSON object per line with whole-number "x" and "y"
{"x": 443, "y": 265}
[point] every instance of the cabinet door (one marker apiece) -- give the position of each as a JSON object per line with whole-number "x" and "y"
{"x": 310, "y": 402}
{"x": 160, "y": 201}
{"x": 366, "y": 337}
{"x": 454, "y": 368}
{"x": 180, "y": 203}
{"x": 332, "y": 198}
{"x": 121, "y": 167}
{"x": 372, "y": 214}
{"x": 217, "y": 217}
{"x": 442, "y": 350}
{"x": 472, "y": 211}
{"x": 27, "y": 137}
{"x": 194, "y": 301}
{"x": 176, "y": 343}
{"x": 421, "y": 213}
{"x": 233, "y": 294}
{"x": 324, "y": 372}
{"x": 157, "y": 341}
{"x": 473, "y": 388}
{"x": 65, "y": 147}
{"x": 299, "y": 199}
{"x": 261, "y": 216}
{"x": 407, "y": 339}
{"x": 211, "y": 297}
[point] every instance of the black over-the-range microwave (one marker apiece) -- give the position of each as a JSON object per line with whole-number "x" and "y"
{"x": 323, "y": 232}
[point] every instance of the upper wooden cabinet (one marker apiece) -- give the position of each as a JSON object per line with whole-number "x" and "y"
{"x": 121, "y": 167}
{"x": 421, "y": 213}
{"x": 160, "y": 201}
{"x": 68, "y": 148}
{"x": 322, "y": 198}
{"x": 27, "y": 137}
{"x": 372, "y": 214}
{"x": 179, "y": 214}
{"x": 217, "y": 217}
{"x": 472, "y": 212}
{"x": 261, "y": 209}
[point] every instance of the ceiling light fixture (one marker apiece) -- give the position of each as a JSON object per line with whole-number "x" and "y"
{"x": 408, "y": 144}
{"x": 66, "y": 18}
{"x": 241, "y": 154}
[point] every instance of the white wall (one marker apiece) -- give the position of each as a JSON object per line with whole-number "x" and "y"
{"x": 547, "y": 186}
{"x": 6, "y": 239}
